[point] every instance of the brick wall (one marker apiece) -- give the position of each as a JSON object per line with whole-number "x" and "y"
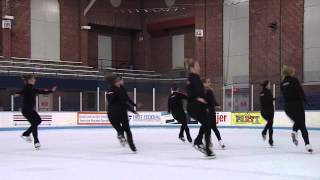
{"x": 70, "y": 30}
{"x": 265, "y": 45}
{"x": 20, "y": 32}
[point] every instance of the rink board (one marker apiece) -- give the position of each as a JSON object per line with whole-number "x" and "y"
{"x": 79, "y": 119}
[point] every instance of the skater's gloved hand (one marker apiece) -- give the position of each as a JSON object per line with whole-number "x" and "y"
{"x": 54, "y": 89}
{"x": 16, "y": 95}
{"x": 201, "y": 100}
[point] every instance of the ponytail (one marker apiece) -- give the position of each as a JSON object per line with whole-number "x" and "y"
{"x": 189, "y": 63}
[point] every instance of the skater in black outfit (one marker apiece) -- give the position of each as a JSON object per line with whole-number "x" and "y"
{"x": 212, "y": 104}
{"x": 267, "y": 110}
{"x": 295, "y": 100}
{"x": 175, "y": 106}
{"x": 197, "y": 105}
{"x": 118, "y": 106}
{"x": 29, "y": 94}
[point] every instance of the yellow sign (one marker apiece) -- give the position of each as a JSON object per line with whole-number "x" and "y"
{"x": 248, "y": 118}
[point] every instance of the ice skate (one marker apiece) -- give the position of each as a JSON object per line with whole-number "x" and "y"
{"x": 133, "y": 148}
{"x": 200, "y": 147}
{"x": 37, "y": 146}
{"x": 182, "y": 139}
{"x": 294, "y": 136}
{"x": 28, "y": 139}
{"x": 309, "y": 148}
{"x": 122, "y": 140}
{"x": 189, "y": 139}
{"x": 264, "y": 136}
{"x": 209, "y": 153}
{"x": 271, "y": 143}
{"x": 222, "y": 145}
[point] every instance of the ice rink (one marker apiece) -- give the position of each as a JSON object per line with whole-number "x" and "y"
{"x": 95, "y": 154}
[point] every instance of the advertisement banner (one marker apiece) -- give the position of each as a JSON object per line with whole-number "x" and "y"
{"x": 93, "y": 118}
{"x": 20, "y": 121}
{"x": 247, "y": 118}
{"x": 145, "y": 118}
{"x": 223, "y": 118}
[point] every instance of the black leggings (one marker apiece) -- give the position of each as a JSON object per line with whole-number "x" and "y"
{"x": 296, "y": 113}
{"x": 34, "y": 119}
{"x": 120, "y": 123}
{"x": 182, "y": 118}
{"x": 268, "y": 115}
{"x": 213, "y": 127}
{"x": 198, "y": 112}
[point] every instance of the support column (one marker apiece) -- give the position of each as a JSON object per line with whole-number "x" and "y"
{"x": 6, "y": 33}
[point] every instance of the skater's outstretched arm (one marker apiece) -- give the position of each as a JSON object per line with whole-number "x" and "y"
{"x": 124, "y": 100}
{"x": 40, "y": 91}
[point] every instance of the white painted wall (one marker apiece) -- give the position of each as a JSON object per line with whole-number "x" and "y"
{"x": 236, "y": 42}
{"x": 312, "y": 41}
{"x": 178, "y": 52}
{"x": 45, "y": 29}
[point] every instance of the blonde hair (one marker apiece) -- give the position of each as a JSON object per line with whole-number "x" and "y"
{"x": 189, "y": 63}
{"x": 287, "y": 71}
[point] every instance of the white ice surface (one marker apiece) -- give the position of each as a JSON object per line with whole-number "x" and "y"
{"x": 95, "y": 154}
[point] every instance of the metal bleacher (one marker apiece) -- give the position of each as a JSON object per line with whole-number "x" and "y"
{"x": 65, "y": 69}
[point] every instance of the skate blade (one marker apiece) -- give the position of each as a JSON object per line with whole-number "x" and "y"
{"x": 202, "y": 150}
{"x": 182, "y": 139}
{"x": 211, "y": 157}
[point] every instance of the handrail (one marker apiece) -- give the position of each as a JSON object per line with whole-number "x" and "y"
{"x": 46, "y": 60}
{"x": 37, "y": 68}
{"x": 131, "y": 70}
{"x": 58, "y": 65}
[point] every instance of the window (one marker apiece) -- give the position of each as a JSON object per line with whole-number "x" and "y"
{"x": 236, "y": 42}
{"x": 45, "y": 29}
{"x": 312, "y": 41}
{"x": 178, "y": 52}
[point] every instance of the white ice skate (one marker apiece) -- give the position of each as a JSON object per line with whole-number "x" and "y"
{"x": 309, "y": 148}
{"x": 37, "y": 146}
{"x": 200, "y": 147}
{"x": 122, "y": 140}
{"x": 222, "y": 145}
{"x": 28, "y": 139}
{"x": 294, "y": 136}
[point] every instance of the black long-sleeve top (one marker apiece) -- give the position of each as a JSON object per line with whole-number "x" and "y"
{"x": 211, "y": 100}
{"x": 292, "y": 91}
{"x": 195, "y": 88}
{"x": 129, "y": 101}
{"x": 266, "y": 99}
{"x": 29, "y": 94}
{"x": 175, "y": 102}
{"x": 118, "y": 100}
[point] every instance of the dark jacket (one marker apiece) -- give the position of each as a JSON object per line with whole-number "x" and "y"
{"x": 29, "y": 94}
{"x": 211, "y": 100}
{"x": 118, "y": 100}
{"x": 292, "y": 91}
{"x": 195, "y": 88}
{"x": 266, "y": 99}
{"x": 175, "y": 102}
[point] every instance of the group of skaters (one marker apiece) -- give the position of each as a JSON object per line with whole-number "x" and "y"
{"x": 201, "y": 106}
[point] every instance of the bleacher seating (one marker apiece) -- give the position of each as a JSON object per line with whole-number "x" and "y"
{"x": 64, "y": 69}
